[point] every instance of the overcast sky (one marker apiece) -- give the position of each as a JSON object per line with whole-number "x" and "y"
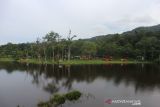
{"x": 25, "y": 20}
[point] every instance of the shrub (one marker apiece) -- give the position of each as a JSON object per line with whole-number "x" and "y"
{"x": 44, "y": 104}
{"x": 58, "y": 99}
{"x": 74, "y": 95}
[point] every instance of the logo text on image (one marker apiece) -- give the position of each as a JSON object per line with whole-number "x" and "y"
{"x": 122, "y": 101}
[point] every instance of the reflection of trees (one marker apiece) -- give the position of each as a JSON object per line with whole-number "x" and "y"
{"x": 52, "y": 78}
{"x": 51, "y": 88}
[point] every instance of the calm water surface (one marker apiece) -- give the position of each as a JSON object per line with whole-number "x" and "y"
{"x": 26, "y": 85}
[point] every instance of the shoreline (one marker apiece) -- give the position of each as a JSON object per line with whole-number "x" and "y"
{"x": 74, "y": 62}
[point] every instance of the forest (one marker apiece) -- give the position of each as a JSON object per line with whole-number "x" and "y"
{"x": 142, "y": 43}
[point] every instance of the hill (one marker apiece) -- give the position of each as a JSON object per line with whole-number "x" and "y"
{"x": 141, "y": 41}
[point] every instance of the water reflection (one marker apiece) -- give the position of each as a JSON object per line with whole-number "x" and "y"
{"x": 53, "y": 78}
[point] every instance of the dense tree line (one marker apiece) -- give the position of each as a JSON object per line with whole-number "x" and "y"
{"x": 143, "y": 42}
{"x": 51, "y": 46}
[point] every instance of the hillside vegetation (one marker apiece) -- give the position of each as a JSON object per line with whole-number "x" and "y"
{"x": 142, "y": 42}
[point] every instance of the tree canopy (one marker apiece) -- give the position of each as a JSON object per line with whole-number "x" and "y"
{"x": 140, "y": 42}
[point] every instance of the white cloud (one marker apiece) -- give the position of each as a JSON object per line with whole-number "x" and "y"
{"x": 24, "y": 20}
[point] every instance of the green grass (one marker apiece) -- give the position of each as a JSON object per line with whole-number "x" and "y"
{"x": 72, "y": 62}
{"x": 6, "y": 60}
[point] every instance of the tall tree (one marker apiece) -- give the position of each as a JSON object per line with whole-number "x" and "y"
{"x": 89, "y": 49}
{"x": 51, "y": 39}
{"x": 69, "y": 43}
{"x": 38, "y": 49}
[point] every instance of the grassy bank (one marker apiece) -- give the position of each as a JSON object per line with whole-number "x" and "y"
{"x": 72, "y": 62}
{"x": 6, "y": 60}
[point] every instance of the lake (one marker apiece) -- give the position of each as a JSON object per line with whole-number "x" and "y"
{"x": 28, "y": 84}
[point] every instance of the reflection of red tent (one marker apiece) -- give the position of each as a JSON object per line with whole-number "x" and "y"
{"x": 108, "y": 58}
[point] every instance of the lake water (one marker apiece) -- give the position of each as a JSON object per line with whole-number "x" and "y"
{"x": 26, "y": 85}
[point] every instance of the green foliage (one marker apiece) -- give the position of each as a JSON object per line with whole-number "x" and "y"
{"x": 74, "y": 95}
{"x": 140, "y": 42}
{"x": 58, "y": 99}
{"x": 51, "y": 37}
{"x": 88, "y": 48}
{"x": 44, "y": 104}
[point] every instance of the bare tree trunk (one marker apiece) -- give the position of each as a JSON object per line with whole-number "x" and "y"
{"x": 62, "y": 55}
{"x": 144, "y": 54}
{"x": 45, "y": 55}
{"x": 58, "y": 55}
{"x": 26, "y": 54}
{"x": 53, "y": 54}
{"x": 39, "y": 57}
{"x": 69, "y": 53}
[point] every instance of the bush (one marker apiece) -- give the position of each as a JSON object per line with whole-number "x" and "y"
{"x": 74, "y": 95}
{"x": 58, "y": 99}
{"x": 44, "y": 104}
